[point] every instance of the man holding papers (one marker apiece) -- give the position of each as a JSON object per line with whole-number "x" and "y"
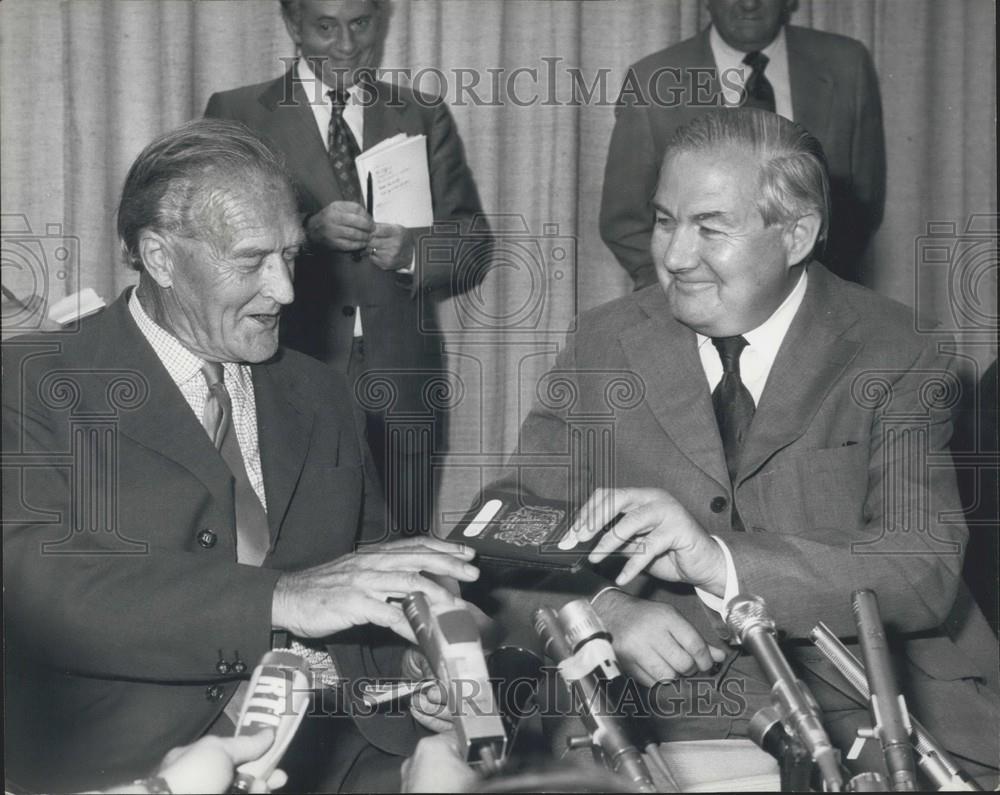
{"x": 362, "y": 291}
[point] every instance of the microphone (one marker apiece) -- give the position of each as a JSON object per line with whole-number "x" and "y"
{"x": 277, "y": 698}
{"x": 580, "y": 644}
{"x": 450, "y": 642}
{"x": 890, "y": 719}
{"x": 934, "y": 760}
{"x": 750, "y": 624}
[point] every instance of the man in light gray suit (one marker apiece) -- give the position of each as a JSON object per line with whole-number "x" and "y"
{"x": 780, "y": 432}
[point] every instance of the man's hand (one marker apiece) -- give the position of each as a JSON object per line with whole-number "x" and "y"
{"x": 657, "y": 533}
{"x": 392, "y": 247}
{"x": 654, "y": 642}
{"x": 352, "y": 590}
{"x": 209, "y": 764}
{"x": 428, "y": 705}
{"x": 437, "y": 766}
{"x": 342, "y": 226}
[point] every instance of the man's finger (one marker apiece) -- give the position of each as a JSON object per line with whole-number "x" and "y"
{"x": 388, "y": 616}
{"x": 421, "y": 543}
{"x": 246, "y": 747}
{"x": 431, "y": 562}
{"x": 689, "y": 639}
{"x": 626, "y": 527}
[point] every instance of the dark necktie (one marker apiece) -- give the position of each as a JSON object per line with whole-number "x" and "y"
{"x": 758, "y": 91}
{"x": 343, "y": 149}
{"x": 732, "y": 401}
{"x": 253, "y": 537}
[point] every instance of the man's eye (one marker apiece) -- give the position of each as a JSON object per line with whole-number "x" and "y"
{"x": 362, "y": 23}
{"x": 708, "y": 231}
{"x": 325, "y": 27}
{"x": 665, "y": 222}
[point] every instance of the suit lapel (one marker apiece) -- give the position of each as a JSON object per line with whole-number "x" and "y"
{"x": 811, "y": 359}
{"x": 293, "y": 130}
{"x": 664, "y": 354}
{"x": 382, "y": 120}
{"x": 284, "y": 428}
{"x": 165, "y": 423}
{"x": 811, "y": 84}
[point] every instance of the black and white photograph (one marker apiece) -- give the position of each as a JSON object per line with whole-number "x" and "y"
{"x": 497, "y": 396}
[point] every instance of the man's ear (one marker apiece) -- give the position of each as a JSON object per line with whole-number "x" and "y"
{"x": 156, "y": 258}
{"x": 800, "y": 237}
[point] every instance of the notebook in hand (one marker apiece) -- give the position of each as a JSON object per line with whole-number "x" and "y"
{"x": 521, "y": 530}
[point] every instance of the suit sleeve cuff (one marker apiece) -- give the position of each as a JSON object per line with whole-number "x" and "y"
{"x": 713, "y": 602}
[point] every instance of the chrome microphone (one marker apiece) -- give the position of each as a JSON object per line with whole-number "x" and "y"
{"x": 933, "y": 759}
{"x": 750, "y": 624}
{"x": 890, "y": 718}
{"x": 577, "y": 640}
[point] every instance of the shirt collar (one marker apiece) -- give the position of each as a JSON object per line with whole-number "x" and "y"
{"x": 181, "y": 365}
{"x": 727, "y": 57}
{"x": 768, "y": 336}
{"x": 305, "y": 74}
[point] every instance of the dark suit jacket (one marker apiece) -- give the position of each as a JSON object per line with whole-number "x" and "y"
{"x": 114, "y": 630}
{"x": 835, "y": 96}
{"x": 834, "y": 487}
{"x": 397, "y": 310}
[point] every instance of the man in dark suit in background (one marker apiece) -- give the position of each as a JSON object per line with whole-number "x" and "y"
{"x": 175, "y": 490}
{"x": 825, "y": 82}
{"x": 366, "y": 290}
{"x": 765, "y": 415}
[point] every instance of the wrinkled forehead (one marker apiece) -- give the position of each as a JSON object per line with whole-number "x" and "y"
{"x": 226, "y": 209}
{"x": 729, "y": 172}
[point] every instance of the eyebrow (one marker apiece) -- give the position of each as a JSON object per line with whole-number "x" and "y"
{"x": 720, "y": 215}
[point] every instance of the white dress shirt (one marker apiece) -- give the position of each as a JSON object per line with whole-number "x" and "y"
{"x": 728, "y": 59}
{"x": 756, "y": 362}
{"x": 184, "y": 369}
{"x": 354, "y": 115}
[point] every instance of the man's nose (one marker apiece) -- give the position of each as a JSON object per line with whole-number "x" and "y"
{"x": 681, "y": 253}
{"x": 344, "y": 41}
{"x": 276, "y": 280}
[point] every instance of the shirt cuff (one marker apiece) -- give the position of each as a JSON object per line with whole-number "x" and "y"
{"x": 411, "y": 267}
{"x": 718, "y": 604}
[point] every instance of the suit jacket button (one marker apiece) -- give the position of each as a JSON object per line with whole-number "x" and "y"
{"x": 207, "y": 539}
{"x": 718, "y": 504}
{"x": 215, "y": 692}
{"x": 222, "y": 667}
{"x": 239, "y": 667}
{"x": 348, "y": 311}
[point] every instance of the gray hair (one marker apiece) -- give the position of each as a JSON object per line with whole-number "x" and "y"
{"x": 793, "y": 179}
{"x": 171, "y": 182}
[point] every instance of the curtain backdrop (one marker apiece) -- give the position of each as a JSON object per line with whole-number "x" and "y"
{"x": 86, "y": 84}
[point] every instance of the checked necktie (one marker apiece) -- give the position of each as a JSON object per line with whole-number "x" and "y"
{"x": 343, "y": 149}
{"x": 758, "y": 91}
{"x": 734, "y": 407}
{"x": 253, "y": 537}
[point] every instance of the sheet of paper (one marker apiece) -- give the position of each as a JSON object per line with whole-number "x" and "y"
{"x": 400, "y": 179}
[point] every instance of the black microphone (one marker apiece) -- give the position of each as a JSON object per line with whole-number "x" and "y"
{"x": 278, "y": 698}
{"x": 890, "y": 718}
{"x": 750, "y": 624}
{"x": 577, "y": 640}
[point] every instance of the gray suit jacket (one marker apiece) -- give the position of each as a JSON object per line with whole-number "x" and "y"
{"x": 835, "y": 96}
{"x": 846, "y": 482}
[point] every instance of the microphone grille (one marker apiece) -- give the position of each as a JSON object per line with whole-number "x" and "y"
{"x": 580, "y": 622}
{"x": 745, "y": 612}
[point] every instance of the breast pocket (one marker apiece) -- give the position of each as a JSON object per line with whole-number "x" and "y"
{"x": 815, "y": 491}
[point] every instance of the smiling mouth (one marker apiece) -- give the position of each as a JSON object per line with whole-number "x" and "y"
{"x": 269, "y": 320}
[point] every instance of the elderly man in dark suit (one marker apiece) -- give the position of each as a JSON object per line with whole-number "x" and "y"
{"x": 767, "y": 428}
{"x": 750, "y": 56}
{"x": 177, "y": 496}
{"x": 367, "y": 290}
